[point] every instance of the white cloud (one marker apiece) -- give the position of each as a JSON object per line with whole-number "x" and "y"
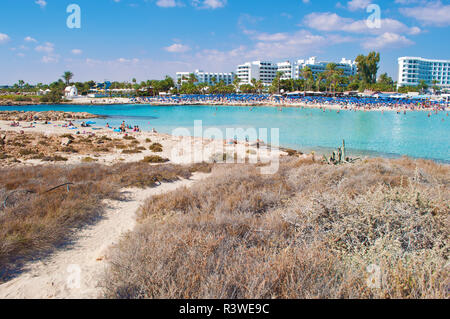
{"x": 177, "y": 48}
{"x": 269, "y": 46}
{"x": 166, "y": 3}
{"x": 30, "y": 39}
{"x": 4, "y": 38}
{"x": 51, "y": 58}
{"x": 354, "y": 5}
{"x": 47, "y": 48}
{"x": 209, "y": 4}
{"x": 272, "y": 37}
{"x": 300, "y": 43}
{"x": 330, "y": 22}
{"x": 432, "y": 14}
{"x": 77, "y": 51}
{"x": 41, "y": 3}
{"x": 123, "y": 60}
{"x": 410, "y": 1}
{"x": 387, "y": 40}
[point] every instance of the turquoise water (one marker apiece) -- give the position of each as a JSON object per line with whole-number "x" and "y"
{"x": 368, "y": 133}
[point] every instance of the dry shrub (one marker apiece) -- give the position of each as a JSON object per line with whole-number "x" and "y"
{"x": 88, "y": 159}
{"x": 68, "y": 149}
{"x": 56, "y": 158}
{"x": 309, "y": 231}
{"x": 154, "y": 159}
{"x": 25, "y": 152}
{"x": 156, "y": 147}
{"x": 217, "y": 256}
{"x": 33, "y": 221}
{"x": 121, "y": 146}
{"x": 131, "y": 151}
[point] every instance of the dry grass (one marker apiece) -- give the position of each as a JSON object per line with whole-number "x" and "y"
{"x": 310, "y": 231}
{"x": 154, "y": 159}
{"x": 131, "y": 151}
{"x": 156, "y": 148}
{"x": 33, "y": 222}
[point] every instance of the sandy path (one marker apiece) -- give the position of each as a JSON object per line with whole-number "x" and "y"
{"x": 52, "y": 277}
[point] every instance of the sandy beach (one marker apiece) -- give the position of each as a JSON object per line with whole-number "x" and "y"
{"x": 335, "y": 107}
{"x": 108, "y": 147}
{"x": 88, "y": 253}
{"x": 282, "y": 104}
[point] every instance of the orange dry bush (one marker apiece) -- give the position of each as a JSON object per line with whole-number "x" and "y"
{"x": 309, "y": 231}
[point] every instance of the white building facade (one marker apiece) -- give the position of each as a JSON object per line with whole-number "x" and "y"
{"x": 412, "y": 70}
{"x": 259, "y": 70}
{"x": 349, "y": 67}
{"x": 70, "y": 92}
{"x": 205, "y": 77}
{"x": 287, "y": 70}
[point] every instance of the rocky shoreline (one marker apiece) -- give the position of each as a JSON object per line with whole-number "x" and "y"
{"x": 18, "y": 103}
{"x": 29, "y": 116}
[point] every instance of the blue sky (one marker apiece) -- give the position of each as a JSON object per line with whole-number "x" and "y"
{"x": 146, "y": 39}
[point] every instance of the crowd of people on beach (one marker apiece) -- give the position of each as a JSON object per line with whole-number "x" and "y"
{"x": 343, "y": 102}
{"x": 124, "y": 127}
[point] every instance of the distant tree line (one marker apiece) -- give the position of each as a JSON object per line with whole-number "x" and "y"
{"x": 332, "y": 80}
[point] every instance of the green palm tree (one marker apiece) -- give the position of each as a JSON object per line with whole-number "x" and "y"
{"x": 307, "y": 76}
{"x": 333, "y": 75}
{"x": 192, "y": 78}
{"x": 320, "y": 77}
{"x": 67, "y": 76}
{"x": 259, "y": 86}
{"x": 236, "y": 82}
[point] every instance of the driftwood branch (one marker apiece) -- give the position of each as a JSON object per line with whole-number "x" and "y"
{"x": 27, "y": 191}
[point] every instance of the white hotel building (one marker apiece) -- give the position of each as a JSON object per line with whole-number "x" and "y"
{"x": 267, "y": 71}
{"x": 286, "y": 69}
{"x": 259, "y": 70}
{"x": 349, "y": 67}
{"x": 205, "y": 77}
{"x": 411, "y": 70}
